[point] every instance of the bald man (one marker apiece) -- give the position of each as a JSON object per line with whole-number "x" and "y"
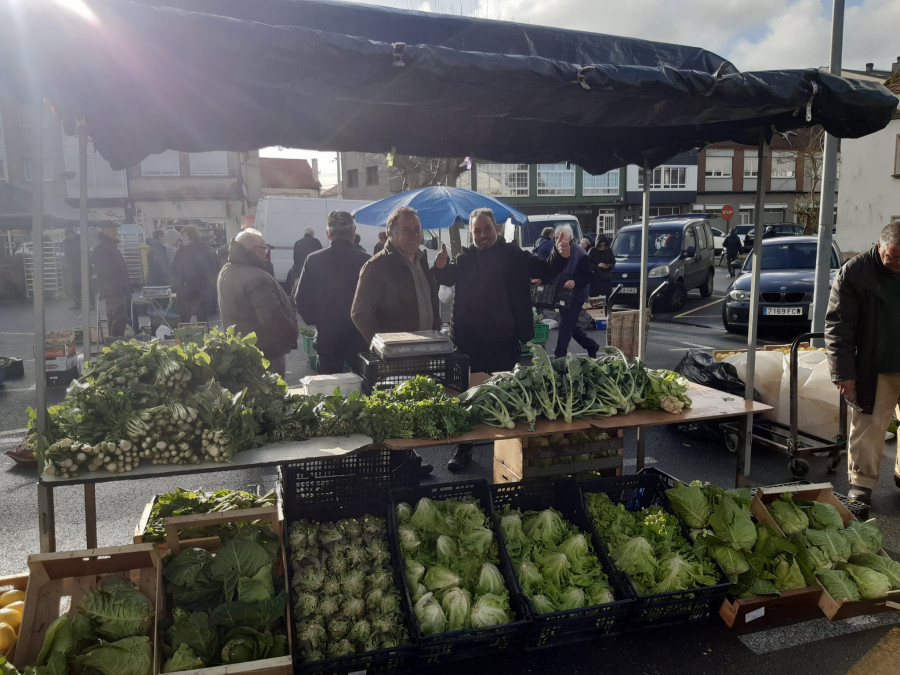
{"x": 253, "y": 302}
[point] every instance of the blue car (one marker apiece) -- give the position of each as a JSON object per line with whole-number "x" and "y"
{"x": 786, "y": 283}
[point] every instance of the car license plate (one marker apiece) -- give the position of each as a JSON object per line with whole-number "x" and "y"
{"x": 783, "y": 311}
{"x": 628, "y": 289}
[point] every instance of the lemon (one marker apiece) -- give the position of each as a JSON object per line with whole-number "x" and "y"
{"x": 11, "y": 596}
{"x": 18, "y": 606}
{"x": 7, "y": 637}
{"x": 11, "y": 617}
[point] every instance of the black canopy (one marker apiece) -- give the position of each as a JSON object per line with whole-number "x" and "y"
{"x": 202, "y": 75}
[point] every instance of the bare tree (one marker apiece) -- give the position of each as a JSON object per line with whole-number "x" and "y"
{"x": 809, "y": 145}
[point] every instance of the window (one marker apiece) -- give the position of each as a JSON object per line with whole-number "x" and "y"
{"x": 48, "y": 170}
{"x": 371, "y": 175}
{"x": 164, "y": 164}
{"x": 213, "y": 163}
{"x": 897, "y": 158}
{"x": 503, "y": 180}
{"x": 718, "y": 167}
{"x": 555, "y": 180}
{"x": 605, "y": 184}
{"x": 607, "y": 221}
{"x": 102, "y": 181}
{"x": 784, "y": 164}
{"x": 352, "y": 178}
{"x": 665, "y": 178}
{"x": 751, "y": 167}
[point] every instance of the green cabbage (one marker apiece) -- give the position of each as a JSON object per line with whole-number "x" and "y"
{"x": 787, "y": 573}
{"x": 790, "y": 517}
{"x": 833, "y": 542}
{"x": 863, "y": 537}
{"x": 676, "y": 573}
{"x": 839, "y": 584}
{"x": 880, "y": 563}
{"x": 183, "y": 659}
{"x": 733, "y": 524}
{"x": 823, "y": 516}
{"x": 129, "y": 656}
{"x": 733, "y": 562}
{"x": 489, "y": 610}
{"x": 690, "y": 505}
{"x": 872, "y": 584}
{"x": 117, "y": 609}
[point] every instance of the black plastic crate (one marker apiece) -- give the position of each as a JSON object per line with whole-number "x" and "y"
{"x": 571, "y": 625}
{"x": 550, "y": 295}
{"x": 659, "y": 609}
{"x": 468, "y": 642}
{"x": 450, "y": 370}
{"x": 344, "y": 479}
{"x": 395, "y": 659}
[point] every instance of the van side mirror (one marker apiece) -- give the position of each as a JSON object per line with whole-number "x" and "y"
{"x": 736, "y": 264}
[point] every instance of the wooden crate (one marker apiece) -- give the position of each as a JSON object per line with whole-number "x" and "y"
{"x": 58, "y": 582}
{"x": 623, "y": 329}
{"x": 834, "y": 608}
{"x": 511, "y": 458}
{"x": 789, "y": 606}
{"x": 280, "y": 665}
{"x": 18, "y": 582}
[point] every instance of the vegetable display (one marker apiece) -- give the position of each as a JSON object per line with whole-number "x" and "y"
{"x": 182, "y": 502}
{"x": 106, "y": 634}
{"x": 554, "y": 561}
{"x": 846, "y": 560}
{"x": 649, "y": 547}
{"x": 225, "y": 608}
{"x": 344, "y": 597}
{"x": 571, "y": 387}
{"x": 583, "y": 440}
{"x": 451, "y": 560}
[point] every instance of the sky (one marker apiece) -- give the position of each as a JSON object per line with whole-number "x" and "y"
{"x": 752, "y": 34}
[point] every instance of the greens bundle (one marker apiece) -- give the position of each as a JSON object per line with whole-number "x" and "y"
{"x": 554, "y": 561}
{"x": 451, "y": 559}
{"x": 345, "y": 599}
{"x": 649, "y": 547}
{"x": 225, "y": 607}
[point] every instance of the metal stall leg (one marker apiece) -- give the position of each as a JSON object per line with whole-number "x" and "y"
{"x": 46, "y": 519}
{"x": 90, "y": 515}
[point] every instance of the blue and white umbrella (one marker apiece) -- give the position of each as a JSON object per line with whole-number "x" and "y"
{"x": 438, "y": 207}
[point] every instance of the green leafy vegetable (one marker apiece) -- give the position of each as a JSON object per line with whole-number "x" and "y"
{"x": 128, "y": 656}
{"x": 872, "y": 584}
{"x": 690, "y": 505}
{"x": 117, "y": 609}
{"x": 839, "y": 584}
{"x": 823, "y": 516}
{"x": 880, "y": 563}
{"x": 790, "y": 517}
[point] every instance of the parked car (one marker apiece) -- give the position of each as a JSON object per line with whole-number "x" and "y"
{"x": 680, "y": 252}
{"x": 786, "y": 283}
{"x": 524, "y": 236}
{"x": 718, "y": 241}
{"x": 779, "y": 229}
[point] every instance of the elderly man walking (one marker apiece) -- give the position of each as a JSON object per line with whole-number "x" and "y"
{"x": 862, "y": 329}
{"x": 253, "y": 302}
{"x": 492, "y": 303}
{"x": 325, "y": 294}
{"x": 113, "y": 283}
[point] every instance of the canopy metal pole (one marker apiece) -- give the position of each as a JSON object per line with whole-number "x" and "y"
{"x": 84, "y": 253}
{"x": 643, "y": 290}
{"x": 743, "y": 454}
{"x": 826, "y": 195}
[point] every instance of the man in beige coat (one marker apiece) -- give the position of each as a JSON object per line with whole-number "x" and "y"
{"x": 253, "y": 302}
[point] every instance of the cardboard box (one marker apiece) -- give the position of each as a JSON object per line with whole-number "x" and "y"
{"x": 834, "y": 608}
{"x": 58, "y": 581}
{"x": 59, "y": 343}
{"x": 513, "y": 458}
{"x": 60, "y": 363}
{"x": 326, "y": 384}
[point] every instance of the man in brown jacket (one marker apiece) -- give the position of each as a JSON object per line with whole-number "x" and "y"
{"x": 253, "y": 302}
{"x": 862, "y": 331}
{"x": 396, "y": 291}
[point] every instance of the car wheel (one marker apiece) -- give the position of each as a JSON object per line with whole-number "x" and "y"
{"x": 730, "y": 327}
{"x": 677, "y": 297}
{"x": 706, "y": 289}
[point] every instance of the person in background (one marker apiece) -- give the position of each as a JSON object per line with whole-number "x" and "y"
{"x": 862, "y": 331}
{"x": 603, "y": 262}
{"x": 72, "y": 257}
{"x": 382, "y": 240}
{"x": 356, "y": 242}
{"x": 253, "y": 302}
{"x": 157, "y": 260}
{"x": 575, "y": 277}
{"x": 396, "y": 292}
{"x": 304, "y": 246}
{"x": 193, "y": 274}
{"x": 113, "y": 283}
{"x": 543, "y": 247}
{"x": 492, "y": 302}
{"x": 769, "y": 232}
{"x": 732, "y": 246}
{"x": 325, "y": 294}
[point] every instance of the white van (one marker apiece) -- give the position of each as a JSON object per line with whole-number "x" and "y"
{"x": 524, "y": 236}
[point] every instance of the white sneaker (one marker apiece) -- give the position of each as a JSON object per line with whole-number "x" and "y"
{"x": 889, "y": 436}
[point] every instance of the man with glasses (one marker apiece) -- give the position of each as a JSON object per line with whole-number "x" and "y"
{"x": 862, "y": 331}
{"x": 253, "y": 302}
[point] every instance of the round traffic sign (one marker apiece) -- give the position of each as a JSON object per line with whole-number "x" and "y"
{"x": 727, "y": 211}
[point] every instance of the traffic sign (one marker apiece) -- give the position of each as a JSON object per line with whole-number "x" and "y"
{"x": 727, "y": 212}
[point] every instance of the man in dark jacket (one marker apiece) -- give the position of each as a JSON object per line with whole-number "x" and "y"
{"x": 603, "y": 262}
{"x": 157, "y": 260}
{"x": 732, "y": 246}
{"x": 325, "y": 294}
{"x": 544, "y": 245}
{"x": 396, "y": 292}
{"x": 113, "y": 283}
{"x": 253, "y": 302}
{"x": 194, "y": 271}
{"x": 492, "y": 303}
{"x": 862, "y": 330}
{"x": 72, "y": 258}
{"x": 576, "y": 277}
